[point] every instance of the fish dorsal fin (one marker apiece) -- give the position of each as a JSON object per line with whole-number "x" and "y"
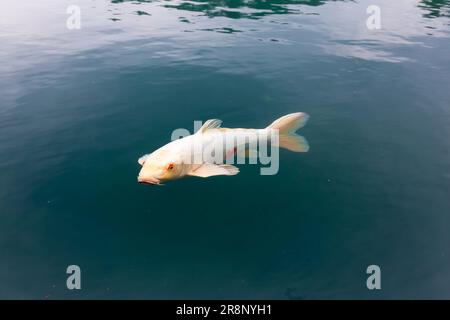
{"x": 209, "y": 169}
{"x": 210, "y": 124}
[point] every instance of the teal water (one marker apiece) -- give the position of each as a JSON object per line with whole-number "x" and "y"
{"x": 79, "y": 107}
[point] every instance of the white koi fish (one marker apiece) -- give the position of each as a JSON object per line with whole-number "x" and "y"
{"x": 186, "y": 156}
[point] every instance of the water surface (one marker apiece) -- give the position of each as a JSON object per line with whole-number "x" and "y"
{"x": 78, "y": 107}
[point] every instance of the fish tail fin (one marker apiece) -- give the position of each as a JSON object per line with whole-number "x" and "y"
{"x": 286, "y": 126}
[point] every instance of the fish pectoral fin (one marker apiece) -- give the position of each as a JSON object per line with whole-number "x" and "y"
{"x": 209, "y": 169}
{"x": 210, "y": 124}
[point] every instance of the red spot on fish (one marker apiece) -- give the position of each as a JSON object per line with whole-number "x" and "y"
{"x": 230, "y": 153}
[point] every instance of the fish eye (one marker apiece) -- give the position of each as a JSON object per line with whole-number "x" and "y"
{"x": 170, "y": 166}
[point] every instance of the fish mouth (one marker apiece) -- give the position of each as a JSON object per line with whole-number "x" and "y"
{"x": 151, "y": 180}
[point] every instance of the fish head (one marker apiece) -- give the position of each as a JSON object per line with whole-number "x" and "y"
{"x": 159, "y": 167}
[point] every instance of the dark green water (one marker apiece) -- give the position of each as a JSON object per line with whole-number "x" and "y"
{"x": 78, "y": 107}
